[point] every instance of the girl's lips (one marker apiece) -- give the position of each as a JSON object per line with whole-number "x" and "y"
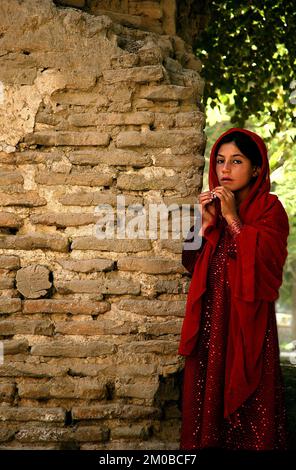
{"x": 226, "y": 179}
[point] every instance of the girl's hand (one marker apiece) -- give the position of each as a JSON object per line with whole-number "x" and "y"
{"x": 228, "y": 203}
{"x": 206, "y": 200}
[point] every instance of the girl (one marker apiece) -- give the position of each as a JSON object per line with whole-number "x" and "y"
{"x": 233, "y": 394}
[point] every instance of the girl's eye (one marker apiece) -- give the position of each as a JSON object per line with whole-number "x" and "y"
{"x": 221, "y": 161}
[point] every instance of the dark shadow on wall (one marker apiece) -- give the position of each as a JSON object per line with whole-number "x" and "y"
{"x": 168, "y": 399}
{"x": 192, "y": 17}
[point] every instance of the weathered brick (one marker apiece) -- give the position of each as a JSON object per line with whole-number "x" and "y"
{"x": 115, "y": 411}
{"x": 100, "y": 197}
{"x": 49, "y": 138}
{"x": 136, "y": 444}
{"x": 182, "y": 161}
{"x": 115, "y": 157}
{"x": 25, "y": 369}
{"x": 33, "y": 156}
{"x": 180, "y": 200}
{"x": 111, "y": 119}
{"x": 167, "y": 286}
{"x": 150, "y": 56}
{"x": 162, "y": 138}
{"x": 118, "y": 246}
{"x": 119, "y": 96}
{"x": 138, "y": 182}
{"x": 80, "y": 179}
{"x": 135, "y": 369}
{"x": 42, "y": 434}
{"x": 193, "y": 62}
{"x": 95, "y": 327}
{"x": 91, "y": 434}
{"x": 174, "y": 246}
{"x": 7, "y": 219}
{"x": 153, "y": 307}
{"x": 63, "y": 219}
{"x": 140, "y": 431}
{"x": 136, "y": 74}
{"x": 27, "y": 199}
{"x": 163, "y": 121}
{"x": 87, "y": 265}
{"x": 152, "y": 9}
{"x": 172, "y": 327}
{"x": 160, "y": 347}
{"x": 6, "y": 435}
{"x": 145, "y": 105}
{"x": 62, "y": 387}
{"x": 173, "y": 65}
{"x": 10, "y": 177}
{"x": 6, "y": 283}
{"x": 9, "y": 262}
{"x": 87, "y": 368}
{"x": 138, "y": 21}
{"x": 34, "y": 241}
{"x": 26, "y": 413}
{"x": 166, "y": 93}
{"x": 81, "y": 98}
{"x": 7, "y": 390}
{"x": 116, "y": 285}
{"x": 29, "y": 327}
{"x": 140, "y": 389}
{"x": 194, "y": 182}
{"x": 150, "y": 265}
{"x": 142, "y": 104}
{"x": 124, "y": 60}
{"x": 126, "y": 119}
{"x": 17, "y": 74}
{"x": 194, "y": 119}
{"x": 33, "y": 281}
{"x": 193, "y": 79}
{"x": 10, "y": 305}
{"x": 67, "y": 348}
{"x": 75, "y": 80}
{"x": 15, "y": 346}
{"x": 65, "y": 306}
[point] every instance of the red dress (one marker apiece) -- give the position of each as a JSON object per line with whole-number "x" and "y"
{"x": 260, "y": 422}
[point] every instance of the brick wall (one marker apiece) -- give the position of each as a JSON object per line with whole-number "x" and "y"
{"x": 91, "y": 109}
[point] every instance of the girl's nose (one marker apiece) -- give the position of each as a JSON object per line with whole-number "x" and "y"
{"x": 225, "y": 167}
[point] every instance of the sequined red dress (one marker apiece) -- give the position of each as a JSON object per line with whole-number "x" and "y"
{"x": 260, "y": 423}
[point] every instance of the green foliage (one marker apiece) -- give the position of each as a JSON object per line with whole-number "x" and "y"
{"x": 248, "y": 52}
{"x": 283, "y": 177}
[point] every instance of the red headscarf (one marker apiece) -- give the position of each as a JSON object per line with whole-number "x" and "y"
{"x": 255, "y": 276}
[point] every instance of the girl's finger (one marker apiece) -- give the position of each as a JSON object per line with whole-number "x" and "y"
{"x": 205, "y": 195}
{"x": 206, "y": 201}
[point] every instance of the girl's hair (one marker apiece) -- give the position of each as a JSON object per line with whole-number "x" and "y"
{"x": 246, "y": 145}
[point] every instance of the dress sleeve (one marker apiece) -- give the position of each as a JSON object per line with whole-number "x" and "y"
{"x": 235, "y": 227}
{"x": 261, "y": 253}
{"x": 233, "y": 230}
{"x": 190, "y": 256}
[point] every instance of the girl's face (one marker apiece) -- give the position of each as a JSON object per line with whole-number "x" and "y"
{"x": 233, "y": 168}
